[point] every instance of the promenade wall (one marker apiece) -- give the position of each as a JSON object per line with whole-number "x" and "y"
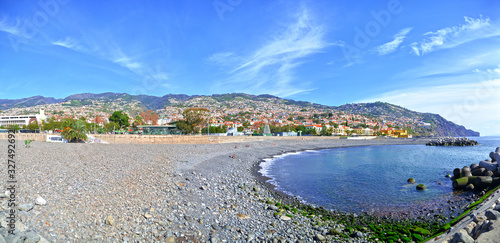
{"x": 167, "y": 139}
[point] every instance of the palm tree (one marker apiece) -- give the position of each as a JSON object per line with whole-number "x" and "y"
{"x": 75, "y": 132}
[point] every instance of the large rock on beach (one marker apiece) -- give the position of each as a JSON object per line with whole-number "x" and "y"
{"x": 493, "y": 235}
{"x": 474, "y": 166}
{"x": 492, "y": 215}
{"x": 466, "y": 172}
{"x": 483, "y": 181}
{"x": 461, "y": 183}
{"x": 478, "y": 171}
{"x": 421, "y": 187}
{"x": 457, "y": 173}
{"x": 488, "y": 173}
{"x": 495, "y": 156}
{"x": 462, "y": 236}
{"x": 488, "y": 165}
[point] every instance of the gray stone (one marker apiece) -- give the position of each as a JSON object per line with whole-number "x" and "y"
{"x": 20, "y": 226}
{"x": 15, "y": 238}
{"x": 40, "y": 201}
{"x": 43, "y": 240}
{"x": 2, "y": 240}
{"x": 319, "y": 237}
{"x": 109, "y": 220}
{"x": 462, "y": 237}
{"x": 26, "y": 207}
{"x": 268, "y": 233}
{"x": 492, "y": 235}
{"x": 492, "y": 214}
{"x": 495, "y": 156}
{"x": 358, "y": 234}
{"x": 272, "y": 207}
{"x": 497, "y": 207}
{"x": 488, "y": 165}
{"x": 470, "y": 228}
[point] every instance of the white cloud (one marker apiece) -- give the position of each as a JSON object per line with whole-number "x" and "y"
{"x": 472, "y": 29}
{"x": 270, "y": 68}
{"x": 390, "y": 47}
{"x": 14, "y": 29}
{"x": 473, "y": 105}
{"x": 69, "y": 43}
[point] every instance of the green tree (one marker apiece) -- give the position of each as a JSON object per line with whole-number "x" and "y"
{"x": 119, "y": 117}
{"x": 75, "y": 132}
{"x": 111, "y": 126}
{"x": 33, "y": 126}
{"x": 15, "y": 128}
{"x": 240, "y": 129}
{"x": 194, "y": 118}
{"x": 138, "y": 120}
{"x": 325, "y": 131}
{"x": 184, "y": 127}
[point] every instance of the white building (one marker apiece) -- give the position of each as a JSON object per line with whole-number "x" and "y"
{"x": 22, "y": 119}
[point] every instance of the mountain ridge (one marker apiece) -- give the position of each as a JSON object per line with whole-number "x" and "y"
{"x": 437, "y": 124}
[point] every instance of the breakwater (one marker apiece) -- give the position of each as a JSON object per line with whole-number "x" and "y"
{"x": 478, "y": 177}
{"x": 452, "y": 141}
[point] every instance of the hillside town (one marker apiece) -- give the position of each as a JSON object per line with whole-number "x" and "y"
{"x": 239, "y": 115}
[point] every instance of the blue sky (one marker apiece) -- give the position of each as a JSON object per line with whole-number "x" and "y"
{"x": 430, "y": 56}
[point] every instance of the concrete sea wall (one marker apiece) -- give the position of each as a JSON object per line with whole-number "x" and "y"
{"x": 166, "y": 139}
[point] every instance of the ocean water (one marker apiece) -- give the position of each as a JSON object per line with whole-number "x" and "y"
{"x": 365, "y": 179}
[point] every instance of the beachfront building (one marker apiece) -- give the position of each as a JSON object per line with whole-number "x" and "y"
{"x": 158, "y": 130}
{"x": 22, "y": 120}
{"x": 401, "y": 134}
{"x": 363, "y": 131}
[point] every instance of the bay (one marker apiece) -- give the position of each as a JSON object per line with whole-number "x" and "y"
{"x": 371, "y": 178}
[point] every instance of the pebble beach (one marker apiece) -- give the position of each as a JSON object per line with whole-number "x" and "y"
{"x": 159, "y": 193}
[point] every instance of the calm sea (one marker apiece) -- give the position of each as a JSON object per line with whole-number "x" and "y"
{"x": 358, "y": 179}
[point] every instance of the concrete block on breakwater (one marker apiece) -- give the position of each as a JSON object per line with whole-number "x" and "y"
{"x": 485, "y": 174}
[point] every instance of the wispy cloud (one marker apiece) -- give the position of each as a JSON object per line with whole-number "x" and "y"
{"x": 6, "y": 26}
{"x": 270, "y": 68}
{"x": 69, "y": 43}
{"x": 449, "y": 37}
{"x": 390, "y": 47}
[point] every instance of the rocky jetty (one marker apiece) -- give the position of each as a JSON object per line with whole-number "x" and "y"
{"x": 479, "y": 175}
{"x": 452, "y": 141}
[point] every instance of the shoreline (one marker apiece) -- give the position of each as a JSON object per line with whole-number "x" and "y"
{"x": 167, "y": 192}
{"x": 460, "y": 199}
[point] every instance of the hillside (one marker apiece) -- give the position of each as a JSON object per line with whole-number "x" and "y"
{"x": 438, "y": 125}
{"x": 239, "y": 103}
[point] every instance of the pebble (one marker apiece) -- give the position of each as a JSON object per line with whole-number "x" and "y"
{"x": 141, "y": 191}
{"x": 319, "y": 237}
{"x": 26, "y": 207}
{"x": 40, "y": 201}
{"x": 109, "y": 220}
